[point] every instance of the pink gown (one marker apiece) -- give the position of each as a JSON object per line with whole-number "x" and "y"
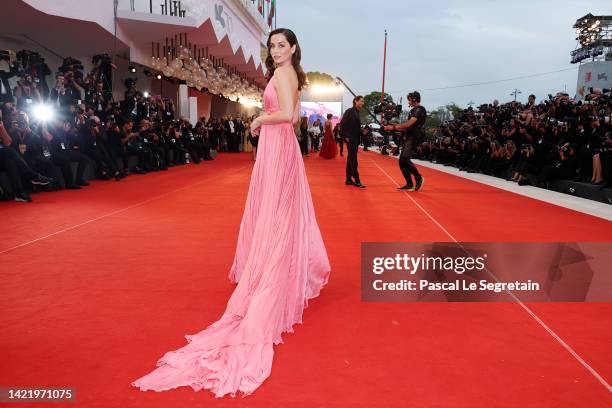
{"x": 280, "y": 263}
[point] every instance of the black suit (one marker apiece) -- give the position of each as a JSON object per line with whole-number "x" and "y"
{"x": 350, "y": 128}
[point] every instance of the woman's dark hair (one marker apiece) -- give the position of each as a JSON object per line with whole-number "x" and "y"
{"x": 295, "y": 58}
{"x": 329, "y": 116}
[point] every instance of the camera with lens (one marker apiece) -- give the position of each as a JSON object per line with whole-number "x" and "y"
{"x": 565, "y": 149}
{"x": 388, "y": 110}
{"x": 103, "y": 59}
{"x": 8, "y": 55}
{"x": 70, "y": 65}
{"x": 22, "y": 120}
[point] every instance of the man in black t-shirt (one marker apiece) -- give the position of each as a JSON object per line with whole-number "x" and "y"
{"x": 414, "y": 134}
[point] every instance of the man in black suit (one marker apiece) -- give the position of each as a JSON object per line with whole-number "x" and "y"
{"x": 350, "y": 131}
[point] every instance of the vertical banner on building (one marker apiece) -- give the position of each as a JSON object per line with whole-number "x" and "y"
{"x": 183, "y": 101}
{"x": 193, "y": 110}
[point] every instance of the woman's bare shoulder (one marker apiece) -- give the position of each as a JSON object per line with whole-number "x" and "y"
{"x": 286, "y": 73}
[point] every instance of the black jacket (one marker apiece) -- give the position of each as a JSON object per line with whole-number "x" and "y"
{"x": 350, "y": 125}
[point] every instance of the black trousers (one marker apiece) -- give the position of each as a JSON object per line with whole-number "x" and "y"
{"x": 158, "y": 156}
{"x": 315, "y": 143}
{"x": 304, "y": 144}
{"x": 163, "y": 151}
{"x": 201, "y": 148}
{"x": 233, "y": 142}
{"x": 366, "y": 144}
{"x": 103, "y": 156}
{"x": 121, "y": 151}
{"x": 351, "y": 162}
{"x": 144, "y": 153}
{"x": 406, "y": 165}
{"x": 341, "y": 146}
{"x": 179, "y": 153}
{"x": 16, "y": 167}
{"x": 40, "y": 163}
{"x": 63, "y": 158}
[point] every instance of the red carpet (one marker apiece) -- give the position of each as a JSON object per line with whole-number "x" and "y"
{"x": 97, "y": 284}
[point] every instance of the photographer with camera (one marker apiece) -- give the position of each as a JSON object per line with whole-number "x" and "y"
{"x": 175, "y": 142}
{"x": 566, "y": 166}
{"x": 62, "y": 96}
{"x": 350, "y": 131}
{"x": 200, "y": 143}
{"x": 98, "y": 99}
{"x": 189, "y": 139}
{"x": 58, "y": 142}
{"x": 74, "y": 89}
{"x": 27, "y": 142}
{"x": 17, "y": 168}
{"x": 149, "y": 136}
{"x": 414, "y": 134}
{"x": 33, "y": 64}
{"x": 125, "y": 142}
{"x": 95, "y": 145}
{"x": 26, "y": 93}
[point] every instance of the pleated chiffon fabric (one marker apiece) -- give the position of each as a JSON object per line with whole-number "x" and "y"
{"x": 280, "y": 263}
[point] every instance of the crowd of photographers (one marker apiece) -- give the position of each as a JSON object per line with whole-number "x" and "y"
{"x": 531, "y": 144}
{"x": 77, "y": 121}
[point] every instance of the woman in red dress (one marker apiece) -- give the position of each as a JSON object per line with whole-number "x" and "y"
{"x": 329, "y": 150}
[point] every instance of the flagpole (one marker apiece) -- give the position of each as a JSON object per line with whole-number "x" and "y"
{"x": 382, "y": 94}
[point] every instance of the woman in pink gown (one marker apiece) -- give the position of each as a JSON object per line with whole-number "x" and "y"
{"x": 280, "y": 262}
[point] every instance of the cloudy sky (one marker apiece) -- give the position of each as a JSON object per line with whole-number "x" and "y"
{"x": 442, "y": 43}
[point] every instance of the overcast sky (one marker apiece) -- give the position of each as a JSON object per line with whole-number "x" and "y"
{"x": 439, "y": 43}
